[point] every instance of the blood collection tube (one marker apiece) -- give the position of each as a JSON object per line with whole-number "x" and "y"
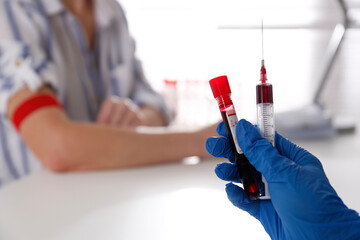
{"x": 222, "y": 93}
{"x": 265, "y": 117}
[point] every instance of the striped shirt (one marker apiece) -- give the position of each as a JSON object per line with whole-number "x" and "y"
{"x": 41, "y": 42}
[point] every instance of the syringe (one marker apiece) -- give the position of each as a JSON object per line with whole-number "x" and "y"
{"x": 265, "y": 110}
{"x": 265, "y": 113}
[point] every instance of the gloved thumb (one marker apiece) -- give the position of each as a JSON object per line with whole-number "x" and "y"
{"x": 262, "y": 155}
{"x": 237, "y": 196}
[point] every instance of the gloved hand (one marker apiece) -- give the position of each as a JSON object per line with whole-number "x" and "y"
{"x": 303, "y": 204}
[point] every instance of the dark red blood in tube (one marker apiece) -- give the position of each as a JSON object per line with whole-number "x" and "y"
{"x": 245, "y": 169}
{"x": 221, "y": 90}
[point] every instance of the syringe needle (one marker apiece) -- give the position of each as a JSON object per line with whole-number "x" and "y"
{"x": 262, "y": 38}
{"x": 263, "y": 69}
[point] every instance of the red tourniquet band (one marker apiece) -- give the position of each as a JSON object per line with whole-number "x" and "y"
{"x": 31, "y": 105}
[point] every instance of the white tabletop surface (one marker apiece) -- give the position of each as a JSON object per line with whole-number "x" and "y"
{"x": 172, "y": 201}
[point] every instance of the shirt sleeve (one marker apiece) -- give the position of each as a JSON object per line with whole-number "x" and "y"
{"x": 24, "y": 60}
{"x": 142, "y": 92}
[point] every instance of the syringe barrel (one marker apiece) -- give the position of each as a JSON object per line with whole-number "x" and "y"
{"x": 265, "y": 111}
{"x": 222, "y": 93}
{"x": 265, "y": 121}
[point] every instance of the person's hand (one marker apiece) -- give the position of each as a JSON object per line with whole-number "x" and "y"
{"x": 303, "y": 204}
{"x": 119, "y": 112}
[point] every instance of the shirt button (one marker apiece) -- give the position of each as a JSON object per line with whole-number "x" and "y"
{"x": 18, "y": 63}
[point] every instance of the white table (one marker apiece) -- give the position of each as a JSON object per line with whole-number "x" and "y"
{"x": 173, "y": 201}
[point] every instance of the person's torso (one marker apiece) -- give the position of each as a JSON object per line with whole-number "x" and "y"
{"x": 84, "y": 78}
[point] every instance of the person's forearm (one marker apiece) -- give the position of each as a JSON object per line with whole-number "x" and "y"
{"x": 90, "y": 146}
{"x": 63, "y": 145}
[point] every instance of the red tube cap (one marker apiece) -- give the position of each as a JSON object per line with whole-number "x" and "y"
{"x": 220, "y": 86}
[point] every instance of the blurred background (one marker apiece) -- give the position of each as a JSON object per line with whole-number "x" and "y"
{"x": 193, "y": 41}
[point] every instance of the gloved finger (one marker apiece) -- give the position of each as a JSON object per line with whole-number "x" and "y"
{"x": 263, "y": 156}
{"x": 220, "y": 147}
{"x": 221, "y": 130}
{"x": 294, "y": 152}
{"x": 270, "y": 219}
{"x": 238, "y": 198}
{"x": 228, "y": 172}
{"x": 262, "y": 210}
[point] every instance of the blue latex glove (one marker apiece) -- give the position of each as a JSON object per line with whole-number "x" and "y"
{"x": 303, "y": 204}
